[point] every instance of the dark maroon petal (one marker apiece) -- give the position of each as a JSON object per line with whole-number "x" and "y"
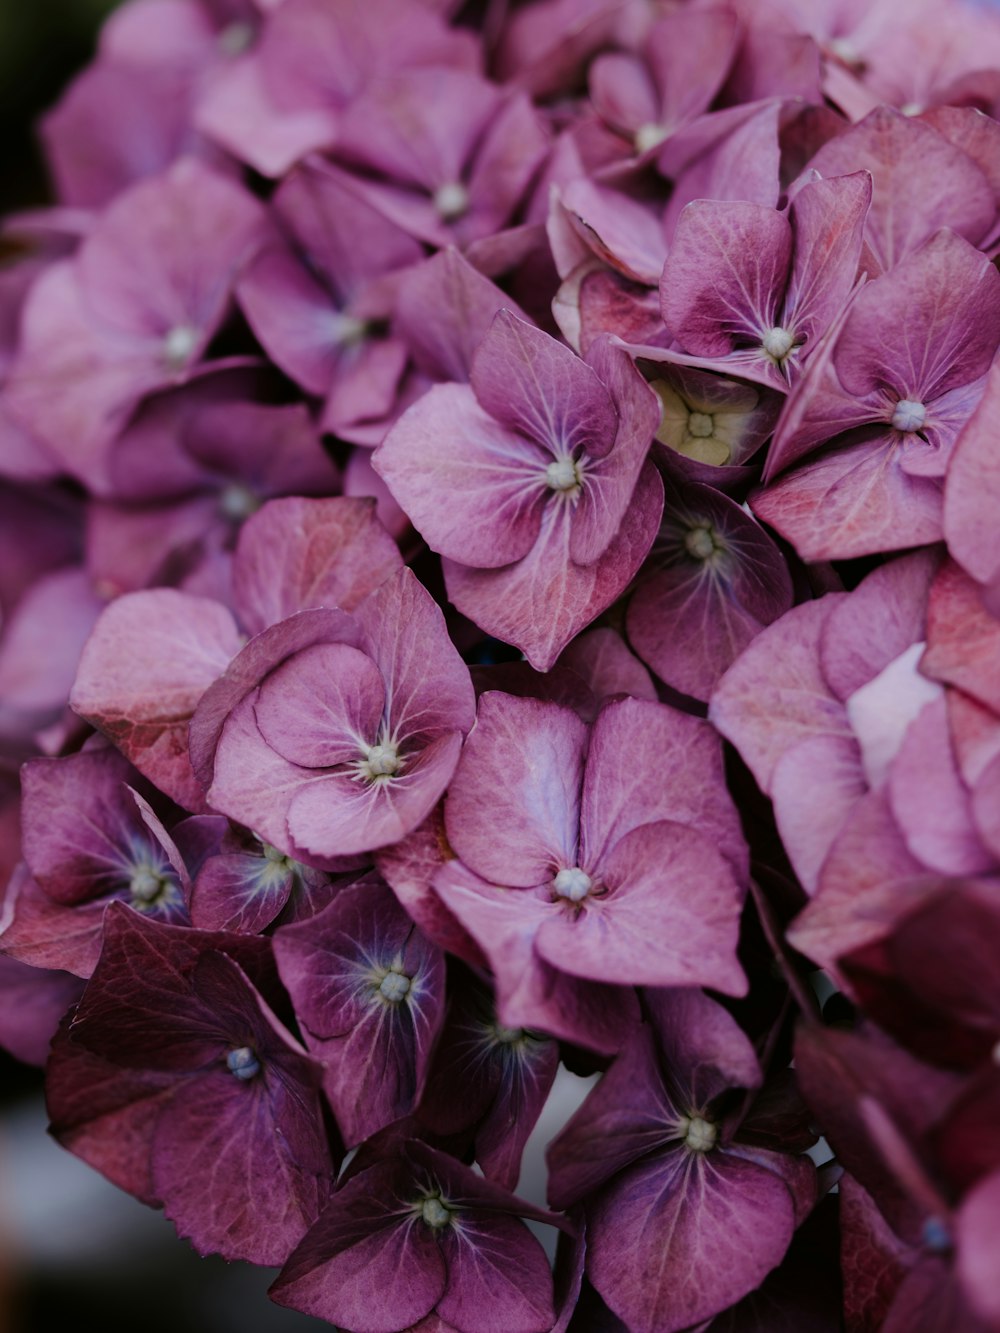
{"x": 368, "y": 1262}
{"x": 498, "y": 1278}
{"x": 34, "y": 1000}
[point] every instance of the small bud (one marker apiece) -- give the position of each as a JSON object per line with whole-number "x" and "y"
{"x": 451, "y": 201}
{"x": 573, "y": 883}
{"x": 909, "y": 415}
{"x": 243, "y": 1063}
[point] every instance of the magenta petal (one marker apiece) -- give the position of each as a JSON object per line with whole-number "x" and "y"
{"x": 366, "y": 1263}
{"x": 828, "y": 221}
{"x": 534, "y": 385}
{"x": 930, "y": 802}
{"x": 337, "y": 815}
{"x": 610, "y": 482}
{"x": 428, "y": 688}
{"x": 728, "y": 1223}
{"x": 631, "y": 739}
{"x": 972, "y": 491}
{"x": 150, "y": 658}
{"x": 725, "y": 276}
{"x": 977, "y": 1220}
{"x": 530, "y": 993}
{"x": 320, "y": 706}
{"x": 339, "y": 968}
{"x": 473, "y": 488}
{"x": 810, "y": 813}
{"x": 853, "y": 501}
{"x": 899, "y": 150}
{"x": 498, "y": 1278}
{"x": 541, "y": 602}
{"x": 297, "y": 553}
{"x": 775, "y": 695}
{"x": 931, "y": 325}
{"x": 667, "y": 914}
{"x": 513, "y": 808}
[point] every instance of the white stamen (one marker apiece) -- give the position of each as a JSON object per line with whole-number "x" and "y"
{"x": 912, "y": 108}
{"x": 451, "y": 201}
{"x": 649, "y": 136}
{"x": 699, "y": 1134}
{"x": 700, "y": 543}
{"x": 563, "y": 475}
{"x": 274, "y": 854}
{"x": 508, "y": 1036}
{"x": 909, "y": 415}
{"x": 236, "y": 38}
{"x": 777, "y": 343}
{"x": 394, "y": 987}
{"x": 238, "y": 502}
{"x": 572, "y": 883}
{"x": 179, "y": 346}
{"x": 347, "y": 330}
{"x": 382, "y": 761}
{"x": 434, "y": 1213}
{"x": 243, "y": 1063}
{"x": 845, "y": 51}
{"x": 145, "y": 885}
{"x": 701, "y": 425}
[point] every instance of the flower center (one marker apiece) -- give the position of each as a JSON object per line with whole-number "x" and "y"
{"x": 563, "y": 476}
{"x": 701, "y": 425}
{"x": 909, "y": 415}
{"x": 451, "y": 201}
{"x": 936, "y": 1235}
{"x": 242, "y": 1063}
{"x": 381, "y": 762}
{"x": 699, "y": 1134}
{"x": 700, "y": 542}
{"x": 147, "y": 887}
{"x": 777, "y": 343}
{"x": 508, "y": 1036}
{"x": 347, "y": 330}
{"x": 649, "y": 136}
{"x": 238, "y": 502}
{"x": 573, "y": 883}
{"x": 236, "y": 38}
{"x": 394, "y": 987}
{"x": 179, "y": 346}
{"x": 434, "y": 1212}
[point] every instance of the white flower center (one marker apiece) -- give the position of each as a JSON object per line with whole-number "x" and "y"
{"x": 451, "y": 201}
{"x": 238, "y": 502}
{"x": 382, "y": 761}
{"x": 701, "y": 425}
{"x": 699, "y": 1134}
{"x": 572, "y": 883}
{"x": 909, "y": 415}
{"x": 236, "y": 38}
{"x": 649, "y": 136}
{"x": 700, "y": 543}
{"x": 777, "y": 343}
{"x": 347, "y": 330}
{"x": 563, "y": 475}
{"x": 434, "y": 1213}
{"x": 179, "y": 346}
{"x": 508, "y": 1036}
{"x": 394, "y": 987}
{"x": 243, "y": 1063}
{"x": 146, "y": 885}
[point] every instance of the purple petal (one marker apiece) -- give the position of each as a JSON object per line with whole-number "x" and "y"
{"x": 146, "y": 665}
{"x": 541, "y": 602}
{"x": 630, "y": 740}
{"x": 669, "y": 916}
{"x": 295, "y": 554}
{"x": 512, "y": 812}
{"x": 534, "y": 385}
{"x": 494, "y": 479}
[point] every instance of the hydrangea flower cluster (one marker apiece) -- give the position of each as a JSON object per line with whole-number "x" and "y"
{"x": 500, "y": 571}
